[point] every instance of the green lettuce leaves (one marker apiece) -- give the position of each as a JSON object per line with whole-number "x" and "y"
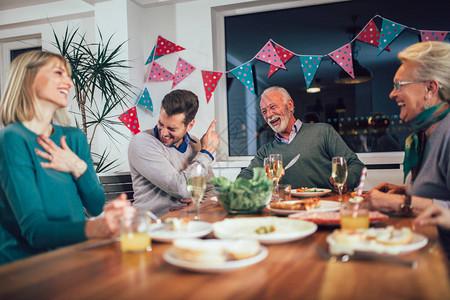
{"x": 243, "y": 194}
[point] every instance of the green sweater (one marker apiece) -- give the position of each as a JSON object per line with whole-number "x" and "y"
{"x": 41, "y": 209}
{"x": 317, "y": 144}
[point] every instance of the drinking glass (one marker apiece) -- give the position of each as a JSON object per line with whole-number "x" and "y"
{"x": 267, "y": 167}
{"x": 285, "y": 192}
{"x": 196, "y": 186}
{"x": 275, "y": 170}
{"x": 134, "y": 236}
{"x": 339, "y": 173}
{"x": 353, "y": 217}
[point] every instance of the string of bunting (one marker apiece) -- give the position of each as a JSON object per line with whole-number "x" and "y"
{"x": 272, "y": 53}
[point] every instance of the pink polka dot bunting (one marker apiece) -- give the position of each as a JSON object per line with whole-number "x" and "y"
{"x": 130, "y": 119}
{"x": 284, "y": 54}
{"x": 310, "y": 64}
{"x": 426, "y": 35}
{"x": 389, "y": 31}
{"x": 183, "y": 70}
{"x": 145, "y": 100}
{"x": 210, "y": 81}
{"x": 158, "y": 73}
{"x": 343, "y": 57}
{"x": 164, "y": 47}
{"x": 269, "y": 55}
{"x": 370, "y": 34}
{"x": 245, "y": 75}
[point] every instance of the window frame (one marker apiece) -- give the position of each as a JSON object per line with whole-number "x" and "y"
{"x": 218, "y": 15}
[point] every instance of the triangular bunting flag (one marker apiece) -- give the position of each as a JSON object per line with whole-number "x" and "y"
{"x": 130, "y": 119}
{"x": 164, "y": 47}
{"x": 283, "y": 54}
{"x": 183, "y": 70}
{"x": 158, "y": 73}
{"x": 389, "y": 31}
{"x": 245, "y": 75}
{"x": 150, "y": 58}
{"x": 269, "y": 55}
{"x": 426, "y": 35}
{"x": 310, "y": 64}
{"x": 343, "y": 57}
{"x": 145, "y": 100}
{"x": 370, "y": 34}
{"x": 210, "y": 81}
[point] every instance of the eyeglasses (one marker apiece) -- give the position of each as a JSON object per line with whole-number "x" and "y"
{"x": 398, "y": 84}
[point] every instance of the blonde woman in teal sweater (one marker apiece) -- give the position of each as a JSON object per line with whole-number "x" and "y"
{"x": 46, "y": 172}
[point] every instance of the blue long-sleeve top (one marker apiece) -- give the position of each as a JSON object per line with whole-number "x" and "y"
{"x": 42, "y": 209}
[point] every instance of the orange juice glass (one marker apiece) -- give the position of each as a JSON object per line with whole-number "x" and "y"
{"x": 352, "y": 219}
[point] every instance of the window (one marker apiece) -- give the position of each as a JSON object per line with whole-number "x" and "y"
{"x": 362, "y": 113}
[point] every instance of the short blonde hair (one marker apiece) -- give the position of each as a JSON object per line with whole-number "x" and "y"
{"x": 18, "y": 101}
{"x": 433, "y": 61}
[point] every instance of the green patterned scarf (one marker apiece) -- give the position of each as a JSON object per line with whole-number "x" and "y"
{"x": 414, "y": 143}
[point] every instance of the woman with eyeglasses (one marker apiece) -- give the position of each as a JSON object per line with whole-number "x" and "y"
{"x": 46, "y": 172}
{"x": 422, "y": 91}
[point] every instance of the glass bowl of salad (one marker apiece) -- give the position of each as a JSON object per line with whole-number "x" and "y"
{"x": 244, "y": 196}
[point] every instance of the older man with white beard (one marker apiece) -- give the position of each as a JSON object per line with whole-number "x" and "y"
{"x": 316, "y": 143}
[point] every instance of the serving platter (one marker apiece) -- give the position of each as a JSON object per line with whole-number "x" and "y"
{"x": 325, "y": 206}
{"x": 332, "y": 218}
{"x": 285, "y": 230}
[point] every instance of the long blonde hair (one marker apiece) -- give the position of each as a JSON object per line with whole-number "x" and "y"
{"x": 18, "y": 101}
{"x": 433, "y": 61}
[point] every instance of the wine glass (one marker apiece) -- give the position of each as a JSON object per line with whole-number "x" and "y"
{"x": 275, "y": 170}
{"x": 267, "y": 167}
{"x": 196, "y": 186}
{"x": 339, "y": 173}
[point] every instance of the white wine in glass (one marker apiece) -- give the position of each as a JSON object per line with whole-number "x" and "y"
{"x": 339, "y": 173}
{"x": 267, "y": 167}
{"x": 275, "y": 170}
{"x": 196, "y": 186}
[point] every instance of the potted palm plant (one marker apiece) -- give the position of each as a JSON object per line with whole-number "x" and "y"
{"x": 99, "y": 88}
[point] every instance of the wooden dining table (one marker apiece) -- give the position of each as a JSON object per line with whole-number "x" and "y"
{"x": 293, "y": 270}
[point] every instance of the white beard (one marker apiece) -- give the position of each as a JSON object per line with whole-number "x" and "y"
{"x": 284, "y": 120}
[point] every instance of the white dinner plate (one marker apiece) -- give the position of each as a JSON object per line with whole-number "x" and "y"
{"x": 309, "y": 193}
{"x": 417, "y": 242}
{"x": 286, "y": 230}
{"x": 162, "y": 232}
{"x": 325, "y": 205}
{"x": 230, "y": 265}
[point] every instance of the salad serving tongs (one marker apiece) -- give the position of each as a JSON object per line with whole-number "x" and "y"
{"x": 362, "y": 255}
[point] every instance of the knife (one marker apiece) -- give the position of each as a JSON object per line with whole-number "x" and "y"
{"x": 361, "y": 255}
{"x": 292, "y": 162}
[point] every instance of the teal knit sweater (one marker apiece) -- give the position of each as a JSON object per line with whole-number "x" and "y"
{"x": 41, "y": 209}
{"x": 317, "y": 144}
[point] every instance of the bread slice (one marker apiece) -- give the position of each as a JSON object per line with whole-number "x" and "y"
{"x": 201, "y": 251}
{"x": 349, "y": 237}
{"x": 241, "y": 249}
{"x": 395, "y": 237}
{"x": 178, "y": 224}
